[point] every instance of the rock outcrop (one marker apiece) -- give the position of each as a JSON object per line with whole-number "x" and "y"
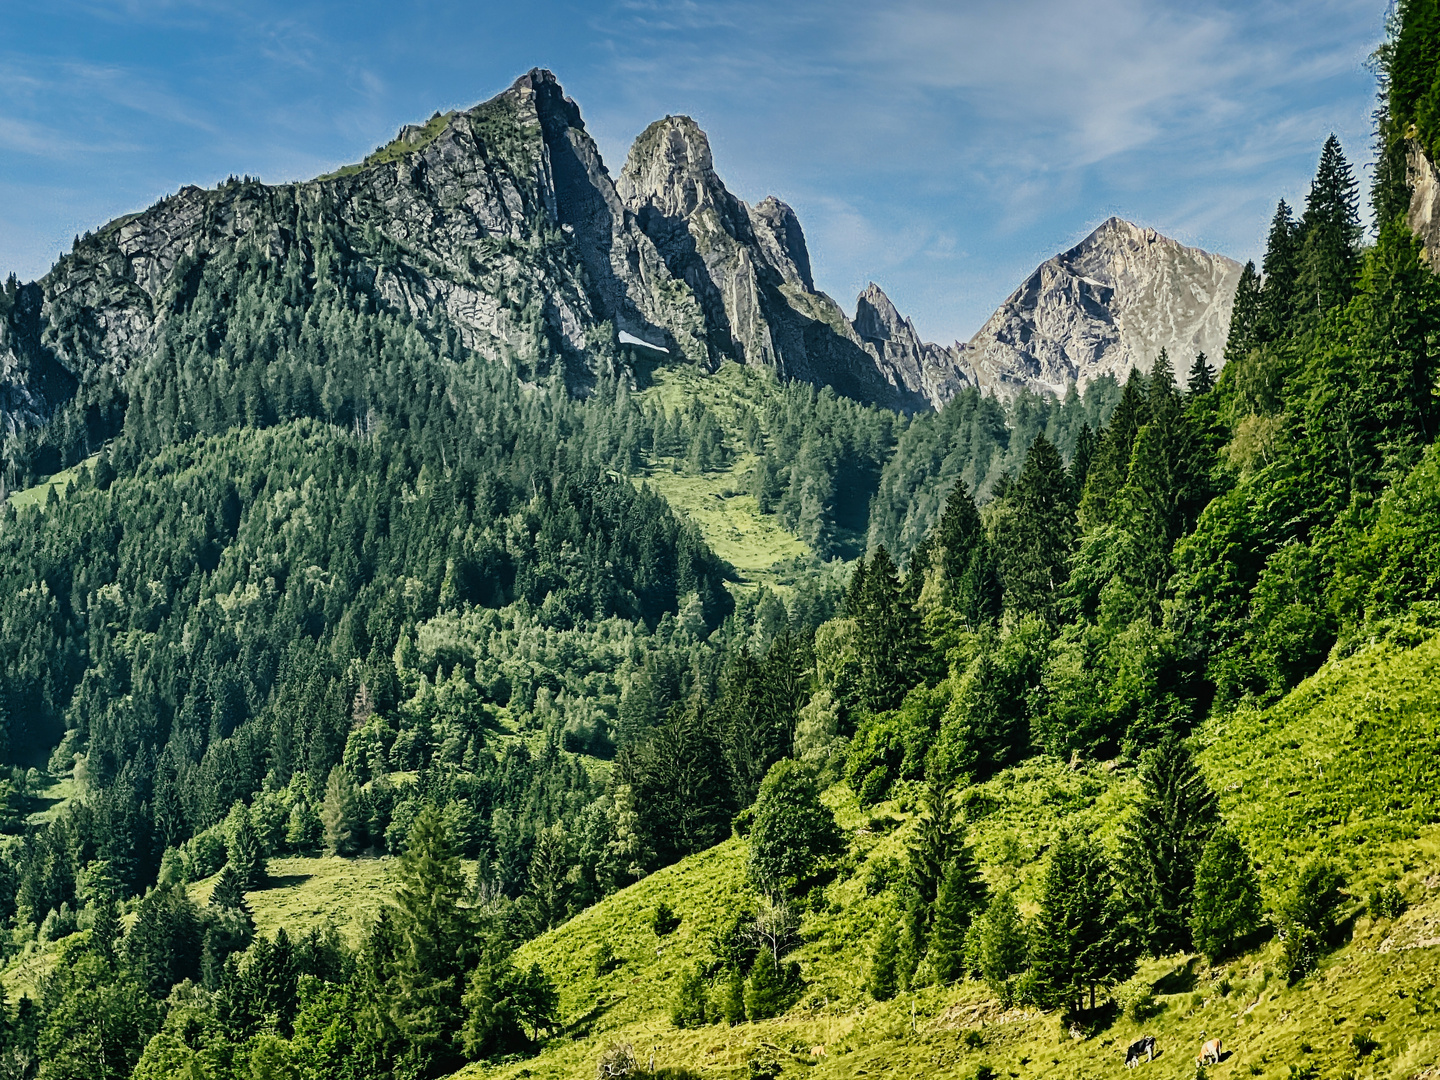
{"x": 502, "y": 222}
{"x": 1424, "y": 214}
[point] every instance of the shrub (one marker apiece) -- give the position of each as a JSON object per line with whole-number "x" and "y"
{"x": 605, "y": 960}
{"x": 1387, "y": 902}
{"x": 1300, "y": 954}
{"x": 1314, "y": 901}
{"x": 663, "y": 919}
{"x": 688, "y": 1009}
{"x": 617, "y": 1062}
{"x": 764, "y": 1064}
{"x": 1136, "y": 999}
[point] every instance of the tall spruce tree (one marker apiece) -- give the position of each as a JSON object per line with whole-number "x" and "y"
{"x": 437, "y": 941}
{"x": 1281, "y": 270}
{"x": 1079, "y": 940}
{"x": 1201, "y": 379}
{"x": 1162, "y": 844}
{"x": 1037, "y": 534}
{"x": 1110, "y": 466}
{"x": 972, "y": 588}
{"x": 340, "y": 813}
{"x": 246, "y": 856}
{"x": 1330, "y": 248}
{"x": 961, "y": 894}
{"x": 1086, "y": 442}
{"x": 1245, "y": 317}
{"x": 1227, "y": 896}
{"x": 891, "y": 637}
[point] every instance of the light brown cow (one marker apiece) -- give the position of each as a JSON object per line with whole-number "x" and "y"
{"x": 1210, "y": 1053}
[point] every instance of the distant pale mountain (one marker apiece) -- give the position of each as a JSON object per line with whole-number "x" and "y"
{"x": 1107, "y": 305}
{"x": 501, "y": 226}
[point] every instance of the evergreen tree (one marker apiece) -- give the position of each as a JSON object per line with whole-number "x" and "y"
{"x": 883, "y": 980}
{"x": 1034, "y": 539}
{"x": 1002, "y": 946}
{"x": 767, "y": 992}
{"x": 340, "y": 814}
{"x": 937, "y": 840}
{"x": 891, "y": 640}
{"x": 1110, "y": 466}
{"x": 732, "y": 997}
{"x": 1245, "y": 318}
{"x": 1162, "y": 845}
{"x": 549, "y": 892}
{"x": 1227, "y": 897}
{"x": 229, "y": 890}
{"x": 972, "y": 586}
{"x": 1202, "y": 376}
{"x": 436, "y": 944}
{"x": 1079, "y": 941}
{"x": 1281, "y": 269}
{"x": 1086, "y": 443}
{"x": 246, "y": 857}
{"x": 164, "y": 945}
{"x": 688, "y": 1009}
{"x": 1329, "y": 255}
{"x": 961, "y": 895}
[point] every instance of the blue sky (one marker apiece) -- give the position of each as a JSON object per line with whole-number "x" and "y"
{"x": 939, "y": 149}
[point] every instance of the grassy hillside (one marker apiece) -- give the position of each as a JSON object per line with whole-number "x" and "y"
{"x": 718, "y": 501}
{"x": 1346, "y": 765}
{"x": 38, "y": 493}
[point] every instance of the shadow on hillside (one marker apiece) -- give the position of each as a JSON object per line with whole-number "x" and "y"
{"x": 284, "y": 881}
{"x": 583, "y": 1026}
{"x": 1179, "y": 981}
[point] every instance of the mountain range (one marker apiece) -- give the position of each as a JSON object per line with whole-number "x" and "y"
{"x": 502, "y": 223}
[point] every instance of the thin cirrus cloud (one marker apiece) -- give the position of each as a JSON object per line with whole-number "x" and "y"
{"x": 938, "y": 148}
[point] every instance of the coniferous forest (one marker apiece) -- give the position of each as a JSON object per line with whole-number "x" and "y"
{"x": 328, "y": 584}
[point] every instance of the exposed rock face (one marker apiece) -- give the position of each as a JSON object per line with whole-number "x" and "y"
{"x": 748, "y": 268}
{"x": 1107, "y": 305}
{"x": 504, "y": 219}
{"x": 1424, "y": 214}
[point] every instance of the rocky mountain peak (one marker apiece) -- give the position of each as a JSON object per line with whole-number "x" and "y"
{"x": 778, "y": 232}
{"x": 877, "y": 319}
{"x": 670, "y": 171}
{"x": 1104, "y": 307}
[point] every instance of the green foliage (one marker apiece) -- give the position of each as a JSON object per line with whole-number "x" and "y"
{"x": 1227, "y": 896}
{"x": 689, "y": 1009}
{"x": 664, "y": 921}
{"x": 1032, "y": 529}
{"x": 340, "y": 814}
{"x": 961, "y": 895}
{"x": 1002, "y": 946}
{"x": 1163, "y": 844}
{"x": 244, "y": 853}
{"x": 882, "y": 980}
{"x": 771, "y": 988}
{"x": 1079, "y": 938}
{"x": 792, "y": 832}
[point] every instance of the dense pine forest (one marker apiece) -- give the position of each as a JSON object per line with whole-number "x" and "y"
{"x": 327, "y": 583}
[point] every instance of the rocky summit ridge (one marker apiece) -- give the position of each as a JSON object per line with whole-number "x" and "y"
{"x": 502, "y": 223}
